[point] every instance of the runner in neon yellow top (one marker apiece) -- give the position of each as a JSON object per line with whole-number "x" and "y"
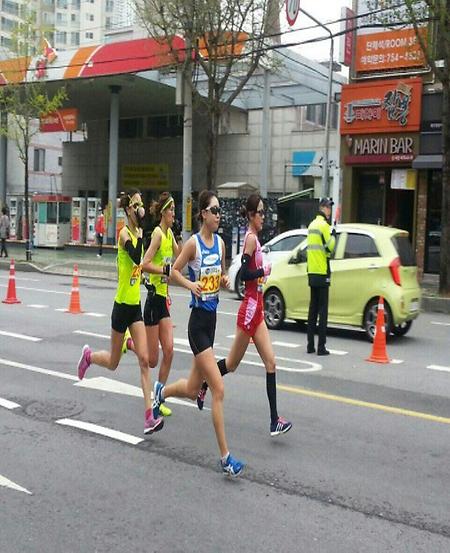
{"x": 158, "y": 262}
{"x": 127, "y": 312}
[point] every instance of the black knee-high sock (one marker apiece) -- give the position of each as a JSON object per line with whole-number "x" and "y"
{"x": 271, "y": 387}
{"x": 222, "y": 364}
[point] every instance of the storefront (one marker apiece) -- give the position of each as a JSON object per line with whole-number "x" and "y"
{"x": 429, "y": 165}
{"x": 379, "y": 128}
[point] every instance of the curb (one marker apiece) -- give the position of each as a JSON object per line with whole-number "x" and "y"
{"x": 436, "y": 304}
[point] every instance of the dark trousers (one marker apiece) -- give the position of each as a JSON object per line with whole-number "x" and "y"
{"x": 3, "y": 249}
{"x": 318, "y": 307}
{"x": 100, "y": 244}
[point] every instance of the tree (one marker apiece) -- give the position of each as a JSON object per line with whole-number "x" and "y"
{"x": 24, "y": 99}
{"x": 439, "y": 15}
{"x": 226, "y": 40}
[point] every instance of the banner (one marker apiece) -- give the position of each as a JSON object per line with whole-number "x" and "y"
{"x": 148, "y": 175}
{"x": 62, "y": 120}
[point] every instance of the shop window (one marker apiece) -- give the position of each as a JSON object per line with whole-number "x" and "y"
{"x": 39, "y": 160}
{"x": 360, "y": 245}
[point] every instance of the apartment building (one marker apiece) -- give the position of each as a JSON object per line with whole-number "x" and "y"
{"x": 70, "y": 23}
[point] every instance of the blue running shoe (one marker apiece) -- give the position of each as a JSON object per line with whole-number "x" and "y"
{"x": 232, "y": 467}
{"x": 281, "y": 426}
{"x": 158, "y": 398}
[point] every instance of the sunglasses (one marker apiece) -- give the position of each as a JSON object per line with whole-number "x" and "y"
{"x": 136, "y": 205}
{"x": 215, "y": 210}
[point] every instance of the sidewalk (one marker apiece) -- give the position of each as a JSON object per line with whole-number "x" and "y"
{"x": 61, "y": 262}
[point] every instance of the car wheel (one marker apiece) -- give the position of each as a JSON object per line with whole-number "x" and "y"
{"x": 402, "y": 329}
{"x": 273, "y": 309}
{"x": 370, "y": 319}
{"x": 239, "y": 286}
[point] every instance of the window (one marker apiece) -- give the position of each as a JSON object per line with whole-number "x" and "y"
{"x": 62, "y": 4}
{"x": 404, "y": 250}
{"x": 39, "y": 159}
{"x": 287, "y": 244}
{"x": 89, "y": 17}
{"x": 109, "y": 5}
{"x": 316, "y": 113}
{"x": 73, "y": 17}
{"x": 10, "y": 7}
{"x": 360, "y": 245}
{"x": 89, "y": 35}
{"x": 74, "y": 39}
{"x": 61, "y": 18}
{"x": 165, "y": 126}
{"x": 61, "y": 37}
{"x": 131, "y": 128}
{"x": 59, "y": 161}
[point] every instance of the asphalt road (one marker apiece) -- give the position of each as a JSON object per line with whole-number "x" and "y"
{"x": 365, "y": 467}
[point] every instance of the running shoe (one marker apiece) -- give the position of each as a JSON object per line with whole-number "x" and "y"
{"x": 232, "y": 466}
{"x": 281, "y": 426}
{"x": 201, "y": 397}
{"x": 126, "y": 339}
{"x": 157, "y": 398}
{"x": 84, "y": 362}
{"x": 153, "y": 425}
{"x": 164, "y": 411}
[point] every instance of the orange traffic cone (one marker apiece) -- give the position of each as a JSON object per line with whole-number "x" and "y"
{"x": 11, "y": 293}
{"x": 379, "y": 354}
{"x": 74, "y": 306}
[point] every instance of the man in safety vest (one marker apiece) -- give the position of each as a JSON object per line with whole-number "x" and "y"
{"x": 321, "y": 243}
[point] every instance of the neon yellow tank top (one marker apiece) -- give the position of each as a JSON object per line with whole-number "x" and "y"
{"x": 163, "y": 256}
{"x": 129, "y": 284}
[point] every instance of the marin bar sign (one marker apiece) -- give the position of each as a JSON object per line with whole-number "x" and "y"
{"x": 380, "y": 149}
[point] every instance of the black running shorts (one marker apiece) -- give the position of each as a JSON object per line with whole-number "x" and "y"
{"x": 124, "y": 315}
{"x": 201, "y": 330}
{"x": 155, "y": 309}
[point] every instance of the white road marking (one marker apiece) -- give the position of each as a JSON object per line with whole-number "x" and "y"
{"x": 38, "y": 290}
{"x": 439, "y": 368}
{"x": 38, "y": 306}
{"x": 20, "y": 336}
{"x": 285, "y": 344}
{"x": 21, "y": 278}
{"x": 95, "y": 314}
{"x": 95, "y": 335}
{"x": 61, "y": 309}
{"x": 396, "y": 361}
{"x": 439, "y": 323}
{"x": 103, "y": 430}
{"x": 226, "y": 313}
{"x": 181, "y": 341}
{"x": 8, "y": 404}
{"x": 10, "y": 484}
{"x": 338, "y": 352}
{"x": 105, "y": 384}
{"x": 40, "y": 370}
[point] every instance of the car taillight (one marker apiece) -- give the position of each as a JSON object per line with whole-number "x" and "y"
{"x": 394, "y": 267}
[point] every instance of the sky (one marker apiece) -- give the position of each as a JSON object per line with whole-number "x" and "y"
{"x": 323, "y": 10}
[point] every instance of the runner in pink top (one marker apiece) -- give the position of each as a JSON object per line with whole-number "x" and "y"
{"x": 250, "y": 320}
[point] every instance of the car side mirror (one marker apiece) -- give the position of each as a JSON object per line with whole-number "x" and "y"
{"x": 298, "y": 257}
{"x": 265, "y": 249}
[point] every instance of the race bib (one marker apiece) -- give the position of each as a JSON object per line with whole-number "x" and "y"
{"x": 260, "y": 283}
{"x": 210, "y": 282}
{"x": 135, "y": 275}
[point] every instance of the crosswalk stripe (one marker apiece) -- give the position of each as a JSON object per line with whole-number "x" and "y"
{"x": 10, "y": 484}
{"x": 285, "y": 344}
{"x": 8, "y": 404}
{"x": 439, "y": 368}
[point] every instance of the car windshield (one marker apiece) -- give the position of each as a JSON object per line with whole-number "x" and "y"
{"x": 404, "y": 250}
{"x": 287, "y": 244}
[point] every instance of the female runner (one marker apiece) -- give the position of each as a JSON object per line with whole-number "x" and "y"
{"x": 158, "y": 262}
{"x": 204, "y": 253}
{"x": 126, "y": 311}
{"x": 250, "y": 320}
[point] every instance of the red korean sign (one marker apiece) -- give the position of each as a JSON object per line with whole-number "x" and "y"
{"x": 62, "y": 120}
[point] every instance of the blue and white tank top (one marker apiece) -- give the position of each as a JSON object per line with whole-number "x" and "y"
{"x": 206, "y": 268}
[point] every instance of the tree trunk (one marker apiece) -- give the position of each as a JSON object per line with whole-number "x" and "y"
{"x": 212, "y": 144}
{"x": 444, "y": 280}
{"x": 27, "y": 212}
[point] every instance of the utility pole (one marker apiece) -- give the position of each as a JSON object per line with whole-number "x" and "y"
{"x": 187, "y": 141}
{"x": 326, "y": 153}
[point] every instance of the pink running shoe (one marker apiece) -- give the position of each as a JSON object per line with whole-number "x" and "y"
{"x": 84, "y": 362}
{"x": 153, "y": 425}
{"x": 201, "y": 396}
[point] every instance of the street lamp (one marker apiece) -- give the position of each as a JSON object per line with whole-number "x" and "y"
{"x": 325, "y": 167}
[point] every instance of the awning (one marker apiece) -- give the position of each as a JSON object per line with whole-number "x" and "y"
{"x": 308, "y": 193}
{"x": 301, "y": 162}
{"x": 428, "y": 161}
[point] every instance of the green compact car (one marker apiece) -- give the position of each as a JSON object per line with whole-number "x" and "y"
{"x": 369, "y": 261}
